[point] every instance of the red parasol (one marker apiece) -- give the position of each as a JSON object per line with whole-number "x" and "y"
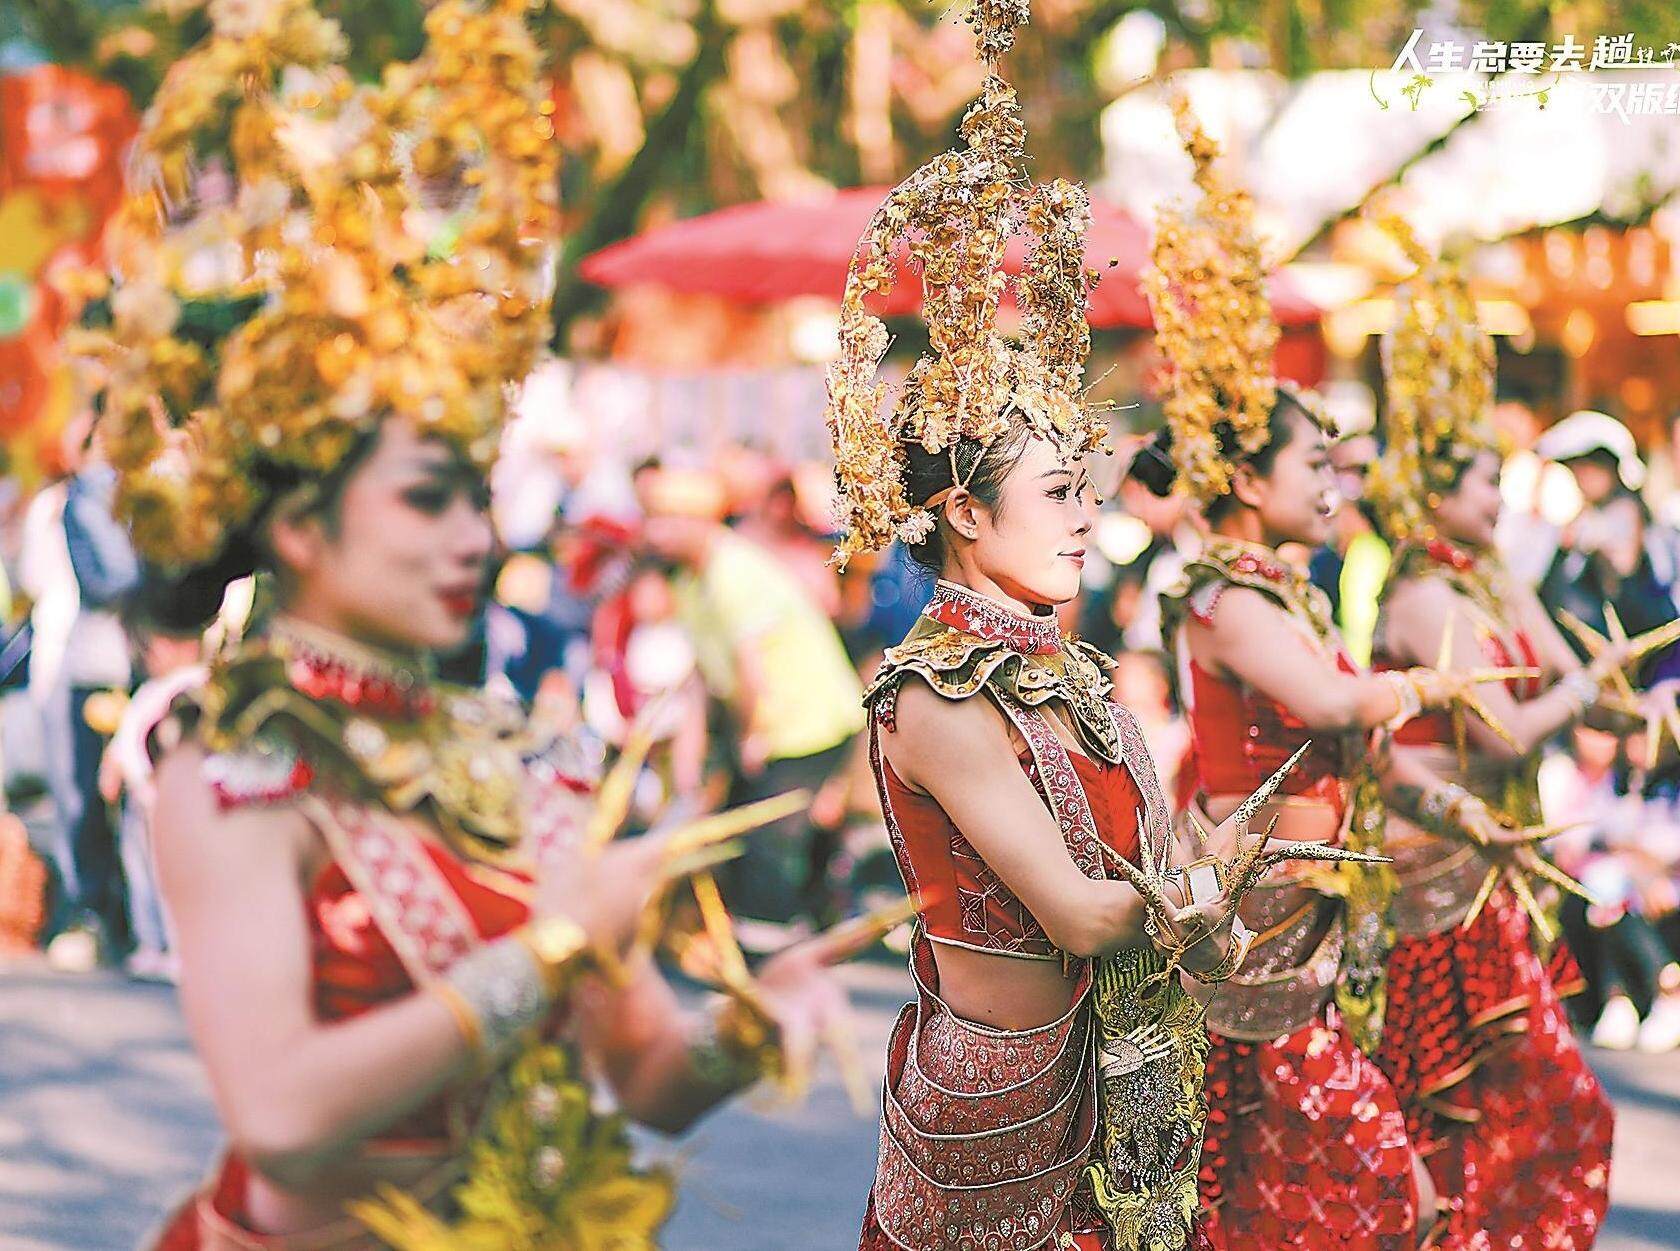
{"x": 776, "y": 250}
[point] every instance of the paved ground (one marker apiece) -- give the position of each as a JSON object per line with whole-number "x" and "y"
{"x": 104, "y": 1120}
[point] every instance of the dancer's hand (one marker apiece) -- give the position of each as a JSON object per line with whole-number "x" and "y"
{"x": 1436, "y": 688}
{"x": 1206, "y": 929}
{"x": 1478, "y": 824}
{"x": 809, "y": 1009}
{"x": 806, "y": 1004}
{"x": 605, "y": 892}
{"x": 1610, "y": 660}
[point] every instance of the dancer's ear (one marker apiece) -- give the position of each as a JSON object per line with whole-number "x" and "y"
{"x": 962, "y": 513}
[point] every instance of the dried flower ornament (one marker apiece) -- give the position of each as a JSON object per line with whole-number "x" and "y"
{"x": 956, "y": 215}
{"x": 1213, "y": 321}
{"x": 1438, "y": 368}
{"x": 341, "y": 311}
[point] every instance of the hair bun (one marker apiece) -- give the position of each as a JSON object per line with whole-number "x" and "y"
{"x": 187, "y": 601}
{"x": 1153, "y": 465}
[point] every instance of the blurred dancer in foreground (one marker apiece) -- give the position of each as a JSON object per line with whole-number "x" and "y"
{"x": 399, "y": 932}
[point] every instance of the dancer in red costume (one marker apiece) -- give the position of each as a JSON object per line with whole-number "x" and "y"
{"x": 1307, "y": 1146}
{"x": 1043, "y": 1091}
{"x": 1514, "y": 1126}
{"x": 401, "y": 925}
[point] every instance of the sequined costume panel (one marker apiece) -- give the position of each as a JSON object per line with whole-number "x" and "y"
{"x": 1306, "y": 1147}
{"x": 1514, "y": 1125}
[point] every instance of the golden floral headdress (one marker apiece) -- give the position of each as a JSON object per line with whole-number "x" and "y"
{"x": 1438, "y": 374}
{"x": 357, "y": 298}
{"x": 1213, "y": 321}
{"x": 956, "y": 215}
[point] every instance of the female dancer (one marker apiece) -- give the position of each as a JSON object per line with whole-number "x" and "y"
{"x": 397, "y": 935}
{"x": 1044, "y": 1088}
{"x": 1306, "y": 1145}
{"x": 1514, "y": 1125}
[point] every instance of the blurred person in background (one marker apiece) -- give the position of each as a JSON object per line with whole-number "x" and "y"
{"x": 76, "y": 563}
{"x": 1350, "y": 568}
{"x": 1106, "y": 615}
{"x": 171, "y": 661}
{"x": 775, "y": 662}
{"x": 1175, "y": 535}
{"x": 1611, "y": 553}
{"x": 644, "y": 660}
{"x": 783, "y": 528}
{"x": 1625, "y": 851}
{"x": 23, "y": 877}
{"x": 897, "y": 589}
{"x": 1141, "y": 683}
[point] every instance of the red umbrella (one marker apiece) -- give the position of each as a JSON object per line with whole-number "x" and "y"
{"x": 775, "y": 250}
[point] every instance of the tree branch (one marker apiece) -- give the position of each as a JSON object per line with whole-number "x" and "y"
{"x": 65, "y": 29}
{"x": 620, "y": 202}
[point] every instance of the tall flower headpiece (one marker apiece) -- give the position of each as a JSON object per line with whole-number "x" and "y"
{"x": 1438, "y": 377}
{"x": 956, "y": 215}
{"x": 347, "y": 292}
{"x": 1213, "y": 321}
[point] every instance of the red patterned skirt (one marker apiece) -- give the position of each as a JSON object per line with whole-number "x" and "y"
{"x": 1515, "y": 1128}
{"x": 875, "y": 1240}
{"x": 1306, "y": 1147}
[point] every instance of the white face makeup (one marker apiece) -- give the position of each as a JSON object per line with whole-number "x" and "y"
{"x": 1033, "y": 544}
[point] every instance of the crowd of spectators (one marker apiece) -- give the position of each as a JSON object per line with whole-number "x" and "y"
{"x": 693, "y": 597}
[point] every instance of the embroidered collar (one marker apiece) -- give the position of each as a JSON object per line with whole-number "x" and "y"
{"x": 294, "y": 707}
{"x": 328, "y": 666}
{"x": 1261, "y": 567}
{"x": 1478, "y": 576}
{"x": 1251, "y": 558}
{"x": 1444, "y": 553}
{"x": 964, "y": 642}
{"x": 973, "y": 613}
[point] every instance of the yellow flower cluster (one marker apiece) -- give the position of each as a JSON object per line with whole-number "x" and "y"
{"x": 1213, "y": 321}
{"x": 1438, "y": 375}
{"x": 334, "y": 220}
{"x": 546, "y": 1174}
{"x": 956, "y": 215}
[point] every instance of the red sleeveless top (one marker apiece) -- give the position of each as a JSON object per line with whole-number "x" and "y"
{"x": 355, "y": 969}
{"x": 1239, "y": 736}
{"x": 964, "y": 902}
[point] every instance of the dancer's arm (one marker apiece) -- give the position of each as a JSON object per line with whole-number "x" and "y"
{"x": 664, "y": 1063}
{"x": 1254, "y": 639}
{"x": 1417, "y": 792}
{"x": 296, "y": 1094}
{"x": 1418, "y": 614}
{"x": 959, "y": 752}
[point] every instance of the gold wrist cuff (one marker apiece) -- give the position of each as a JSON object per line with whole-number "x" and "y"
{"x": 561, "y": 948}
{"x": 466, "y": 1021}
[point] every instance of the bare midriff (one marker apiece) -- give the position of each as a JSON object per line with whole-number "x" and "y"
{"x": 274, "y": 1209}
{"x": 1004, "y": 992}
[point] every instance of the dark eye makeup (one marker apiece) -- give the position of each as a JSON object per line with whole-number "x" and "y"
{"x": 438, "y": 489}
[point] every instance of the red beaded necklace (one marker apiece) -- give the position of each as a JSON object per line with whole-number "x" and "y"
{"x": 326, "y": 666}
